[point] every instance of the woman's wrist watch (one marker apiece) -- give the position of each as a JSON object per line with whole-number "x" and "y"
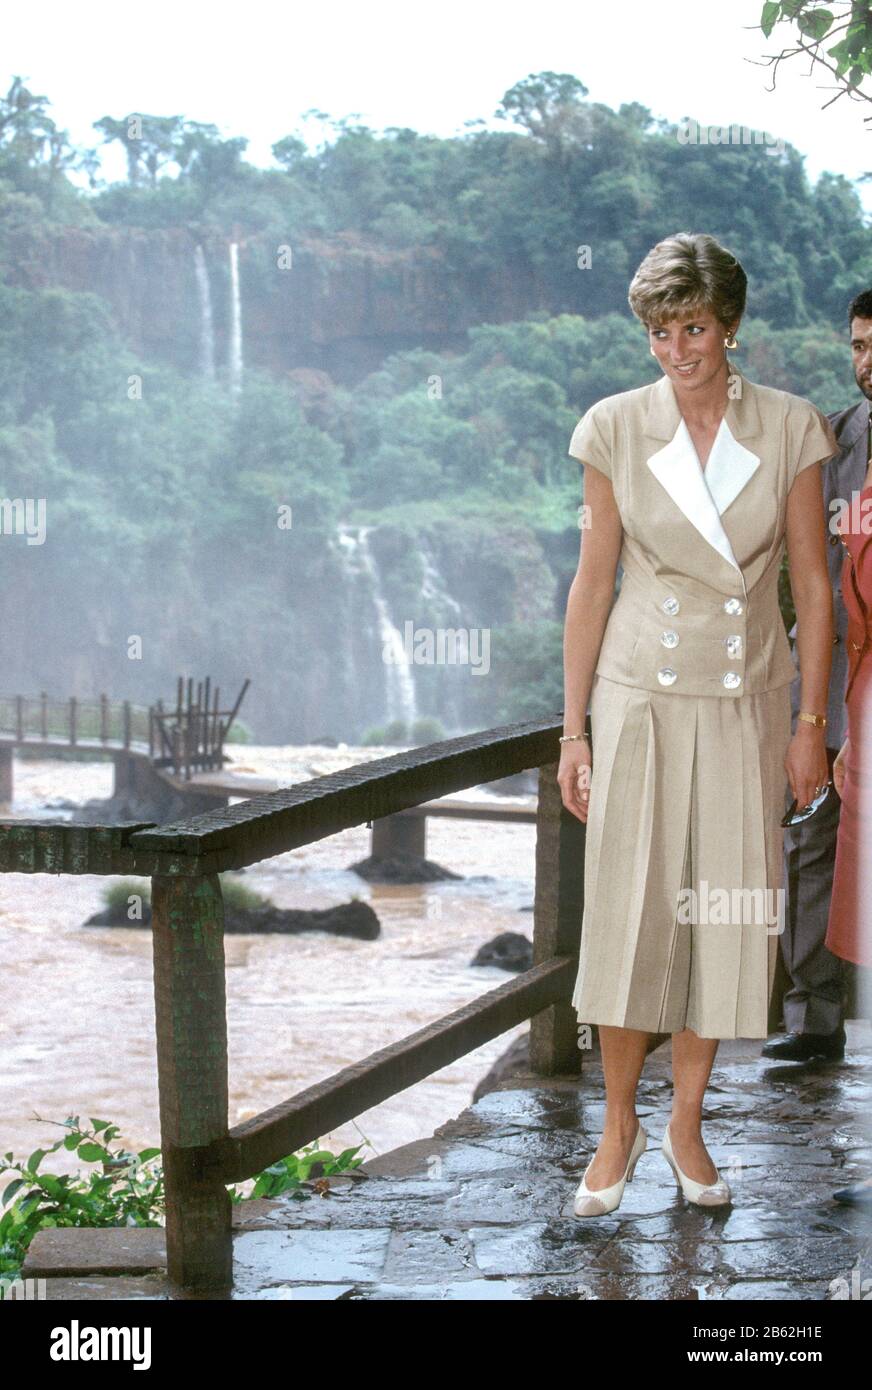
{"x": 819, "y": 720}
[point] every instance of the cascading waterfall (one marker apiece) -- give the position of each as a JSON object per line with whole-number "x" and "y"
{"x": 436, "y": 598}
{"x": 207, "y": 331}
{"x": 400, "y": 680}
{"x": 235, "y": 362}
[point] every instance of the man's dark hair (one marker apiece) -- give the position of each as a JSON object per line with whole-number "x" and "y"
{"x": 860, "y": 307}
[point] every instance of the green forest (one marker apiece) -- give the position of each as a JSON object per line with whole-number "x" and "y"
{"x": 163, "y": 486}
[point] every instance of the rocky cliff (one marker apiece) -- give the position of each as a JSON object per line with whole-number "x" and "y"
{"x": 339, "y": 305}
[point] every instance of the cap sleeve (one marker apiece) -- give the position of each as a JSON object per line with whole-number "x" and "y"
{"x": 589, "y": 443}
{"x": 813, "y": 442}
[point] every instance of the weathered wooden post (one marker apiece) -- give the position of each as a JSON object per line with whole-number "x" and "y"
{"x": 398, "y": 834}
{"x": 557, "y": 911}
{"x": 191, "y": 1022}
{"x": 6, "y": 774}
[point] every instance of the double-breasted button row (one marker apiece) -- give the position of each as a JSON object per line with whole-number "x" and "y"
{"x": 667, "y": 675}
{"x": 735, "y": 607}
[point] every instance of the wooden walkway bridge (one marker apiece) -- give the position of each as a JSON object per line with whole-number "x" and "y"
{"x": 178, "y": 743}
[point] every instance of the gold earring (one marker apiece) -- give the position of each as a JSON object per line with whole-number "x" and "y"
{"x": 732, "y": 341}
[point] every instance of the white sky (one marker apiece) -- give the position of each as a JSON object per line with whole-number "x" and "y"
{"x": 253, "y": 69}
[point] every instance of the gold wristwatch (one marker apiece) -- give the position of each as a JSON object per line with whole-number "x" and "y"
{"x": 819, "y": 720}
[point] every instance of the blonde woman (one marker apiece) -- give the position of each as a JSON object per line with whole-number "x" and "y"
{"x": 694, "y": 484}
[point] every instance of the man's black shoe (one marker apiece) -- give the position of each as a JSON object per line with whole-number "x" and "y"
{"x": 802, "y": 1047}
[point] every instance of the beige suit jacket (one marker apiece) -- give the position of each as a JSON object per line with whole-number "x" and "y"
{"x": 697, "y": 612}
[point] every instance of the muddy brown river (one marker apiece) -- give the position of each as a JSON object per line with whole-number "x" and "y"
{"x": 76, "y": 1003}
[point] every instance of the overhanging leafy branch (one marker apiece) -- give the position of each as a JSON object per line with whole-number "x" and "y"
{"x": 836, "y": 37}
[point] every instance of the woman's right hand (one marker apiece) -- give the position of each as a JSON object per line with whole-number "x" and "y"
{"x": 839, "y": 768}
{"x": 574, "y": 776}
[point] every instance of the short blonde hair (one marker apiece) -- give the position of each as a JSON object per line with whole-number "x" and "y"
{"x": 684, "y": 274}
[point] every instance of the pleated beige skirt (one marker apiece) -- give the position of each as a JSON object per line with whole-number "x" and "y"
{"x": 687, "y": 793}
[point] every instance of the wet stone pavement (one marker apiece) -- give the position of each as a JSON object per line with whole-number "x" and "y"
{"x": 483, "y": 1209}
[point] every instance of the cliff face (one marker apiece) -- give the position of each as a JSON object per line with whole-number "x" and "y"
{"x": 328, "y": 645}
{"x": 340, "y": 307}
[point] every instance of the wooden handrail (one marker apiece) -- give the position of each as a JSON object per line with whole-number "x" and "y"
{"x": 274, "y": 822}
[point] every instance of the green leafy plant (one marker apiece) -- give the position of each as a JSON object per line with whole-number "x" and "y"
{"x": 374, "y": 737}
{"x": 117, "y": 891}
{"x": 289, "y": 1174}
{"x": 239, "y": 732}
{"x": 427, "y": 729}
{"x": 234, "y": 893}
{"x": 125, "y": 1188}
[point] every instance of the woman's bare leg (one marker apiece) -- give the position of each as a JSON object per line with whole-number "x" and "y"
{"x": 692, "y": 1061}
{"x": 623, "y": 1053}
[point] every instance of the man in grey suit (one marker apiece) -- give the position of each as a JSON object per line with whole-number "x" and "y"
{"x": 813, "y": 1005}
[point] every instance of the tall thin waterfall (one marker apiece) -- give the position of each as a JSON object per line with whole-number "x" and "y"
{"x": 399, "y": 673}
{"x": 207, "y": 331}
{"x": 235, "y": 322}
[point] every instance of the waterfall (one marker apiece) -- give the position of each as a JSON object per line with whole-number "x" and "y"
{"x": 235, "y": 322}
{"x": 436, "y": 598}
{"x": 207, "y": 332}
{"x": 399, "y": 671}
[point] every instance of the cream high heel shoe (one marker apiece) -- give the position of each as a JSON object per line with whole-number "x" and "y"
{"x": 605, "y": 1199}
{"x": 715, "y": 1194}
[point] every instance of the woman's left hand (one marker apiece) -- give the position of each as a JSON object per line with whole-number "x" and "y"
{"x": 806, "y": 765}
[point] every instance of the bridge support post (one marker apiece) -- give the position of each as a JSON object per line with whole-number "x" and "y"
{"x": 555, "y": 1043}
{"x": 190, "y": 1011}
{"x": 6, "y": 787}
{"x": 124, "y": 779}
{"x": 398, "y": 834}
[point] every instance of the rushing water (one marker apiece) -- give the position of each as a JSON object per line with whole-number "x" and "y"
{"x": 235, "y": 322}
{"x": 207, "y": 331}
{"x": 76, "y": 1003}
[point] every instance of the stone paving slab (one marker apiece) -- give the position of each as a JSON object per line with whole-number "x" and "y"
{"x": 482, "y": 1209}
{"x": 111, "y": 1250}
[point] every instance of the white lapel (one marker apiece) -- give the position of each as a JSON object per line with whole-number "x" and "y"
{"x": 730, "y": 466}
{"x": 704, "y": 494}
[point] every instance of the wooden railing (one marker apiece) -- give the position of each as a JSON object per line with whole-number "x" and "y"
{"x": 117, "y": 723}
{"x": 189, "y": 735}
{"x": 201, "y": 1154}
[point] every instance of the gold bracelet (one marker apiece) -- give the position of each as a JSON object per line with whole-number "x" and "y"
{"x": 819, "y": 720}
{"x": 567, "y": 738}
